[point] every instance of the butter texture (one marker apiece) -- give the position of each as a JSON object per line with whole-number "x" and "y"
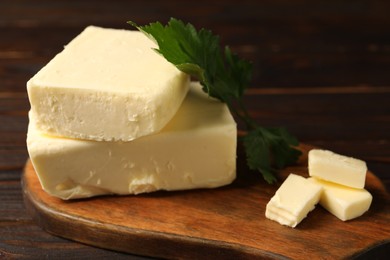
{"x": 337, "y": 168}
{"x": 344, "y": 202}
{"x": 108, "y": 85}
{"x": 294, "y": 199}
{"x": 196, "y": 149}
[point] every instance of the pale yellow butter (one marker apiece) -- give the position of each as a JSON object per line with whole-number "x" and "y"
{"x": 344, "y": 202}
{"x": 294, "y": 199}
{"x": 106, "y": 85}
{"x": 196, "y": 149}
{"x": 337, "y": 168}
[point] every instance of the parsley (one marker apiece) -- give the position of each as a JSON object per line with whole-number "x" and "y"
{"x": 224, "y": 76}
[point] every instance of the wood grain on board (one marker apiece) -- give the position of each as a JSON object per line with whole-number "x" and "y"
{"x": 227, "y": 222}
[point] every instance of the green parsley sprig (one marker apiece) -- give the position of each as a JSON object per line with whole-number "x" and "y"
{"x": 224, "y": 76}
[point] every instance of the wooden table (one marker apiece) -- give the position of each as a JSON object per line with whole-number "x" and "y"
{"x": 321, "y": 69}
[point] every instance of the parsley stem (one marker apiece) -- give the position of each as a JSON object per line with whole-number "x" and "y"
{"x": 250, "y": 123}
{"x": 242, "y": 114}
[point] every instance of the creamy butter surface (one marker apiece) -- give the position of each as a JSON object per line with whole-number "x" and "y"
{"x": 294, "y": 199}
{"x": 344, "y": 202}
{"x": 106, "y": 84}
{"x": 337, "y": 168}
{"x": 196, "y": 149}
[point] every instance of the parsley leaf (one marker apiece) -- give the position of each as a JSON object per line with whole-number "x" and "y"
{"x": 224, "y": 76}
{"x": 261, "y": 142}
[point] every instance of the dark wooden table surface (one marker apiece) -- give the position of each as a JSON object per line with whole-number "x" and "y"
{"x": 321, "y": 69}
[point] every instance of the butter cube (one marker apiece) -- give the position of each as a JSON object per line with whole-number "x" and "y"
{"x": 196, "y": 149}
{"x": 106, "y": 84}
{"x": 344, "y": 202}
{"x": 337, "y": 168}
{"x": 294, "y": 199}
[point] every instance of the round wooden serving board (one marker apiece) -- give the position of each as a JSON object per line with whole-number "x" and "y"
{"x": 226, "y": 223}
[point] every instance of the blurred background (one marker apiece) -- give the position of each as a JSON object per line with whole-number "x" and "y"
{"x": 321, "y": 69}
{"x": 291, "y": 43}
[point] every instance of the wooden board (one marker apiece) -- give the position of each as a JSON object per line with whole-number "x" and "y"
{"x": 227, "y": 222}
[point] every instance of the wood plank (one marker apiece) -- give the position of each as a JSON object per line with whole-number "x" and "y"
{"x": 224, "y": 223}
{"x": 23, "y": 239}
{"x": 341, "y": 44}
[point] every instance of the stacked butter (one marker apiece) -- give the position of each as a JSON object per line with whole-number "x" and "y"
{"x": 291, "y": 203}
{"x": 336, "y": 183}
{"x": 111, "y": 116}
{"x": 342, "y": 179}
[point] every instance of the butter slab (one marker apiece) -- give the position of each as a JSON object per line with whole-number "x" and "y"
{"x": 337, "y": 168}
{"x": 108, "y": 85}
{"x": 196, "y": 149}
{"x": 294, "y": 199}
{"x": 344, "y": 202}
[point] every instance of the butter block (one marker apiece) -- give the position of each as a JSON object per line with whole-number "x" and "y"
{"x": 344, "y": 202}
{"x": 106, "y": 84}
{"x": 196, "y": 149}
{"x": 337, "y": 168}
{"x": 294, "y": 199}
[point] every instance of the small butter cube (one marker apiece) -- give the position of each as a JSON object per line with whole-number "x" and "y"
{"x": 295, "y": 198}
{"x": 196, "y": 149}
{"x": 344, "y": 202}
{"x": 337, "y": 168}
{"x": 106, "y": 84}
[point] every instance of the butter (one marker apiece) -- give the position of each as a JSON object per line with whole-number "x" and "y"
{"x": 196, "y": 149}
{"x": 294, "y": 199}
{"x": 106, "y": 85}
{"x": 337, "y": 168}
{"x": 343, "y": 202}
